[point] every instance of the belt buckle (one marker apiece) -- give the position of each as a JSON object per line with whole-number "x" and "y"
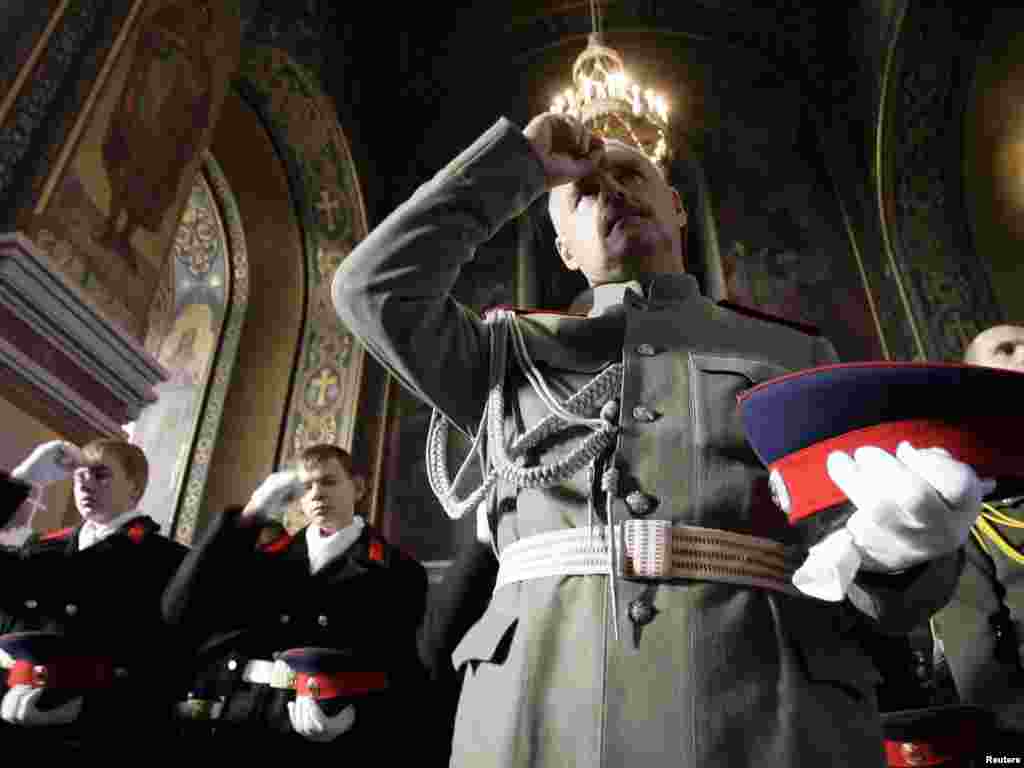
{"x": 646, "y": 549}
{"x": 200, "y": 709}
{"x": 282, "y": 676}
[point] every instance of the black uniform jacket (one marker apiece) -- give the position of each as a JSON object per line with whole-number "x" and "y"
{"x": 242, "y": 601}
{"x": 12, "y": 494}
{"x": 105, "y": 600}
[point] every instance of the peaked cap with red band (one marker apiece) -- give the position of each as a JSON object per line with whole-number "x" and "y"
{"x": 795, "y": 421}
{"x": 328, "y": 673}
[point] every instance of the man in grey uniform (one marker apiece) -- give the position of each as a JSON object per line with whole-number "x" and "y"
{"x": 981, "y": 629}
{"x": 643, "y": 607}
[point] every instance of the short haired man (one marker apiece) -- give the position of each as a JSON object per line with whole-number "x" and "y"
{"x": 981, "y": 629}
{"x": 335, "y": 586}
{"x": 578, "y": 660}
{"x": 105, "y": 672}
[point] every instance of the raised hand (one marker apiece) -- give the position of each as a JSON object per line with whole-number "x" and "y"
{"x": 567, "y": 150}
{"x": 49, "y": 463}
{"x": 273, "y": 494}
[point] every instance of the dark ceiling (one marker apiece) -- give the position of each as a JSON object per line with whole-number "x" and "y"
{"x": 415, "y": 83}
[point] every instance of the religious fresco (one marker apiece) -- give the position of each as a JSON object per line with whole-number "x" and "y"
{"x": 185, "y": 326}
{"x": 109, "y": 210}
{"x": 303, "y": 121}
{"x": 782, "y": 241}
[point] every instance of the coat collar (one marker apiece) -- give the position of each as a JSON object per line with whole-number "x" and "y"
{"x": 657, "y": 289}
{"x": 365, "y": 553}
{"x": 588, "y": 343}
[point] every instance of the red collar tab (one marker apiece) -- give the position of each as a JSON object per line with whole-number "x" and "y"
{"x": 278, "y": 545}
{"x": 335, "y": 684}
{"x": 990, "y": 444}
{"x": 137, "y": 531}
{"x": 376, "y": 552}
{"x": 757, "y": 314}
{"x": 63, "y": 533}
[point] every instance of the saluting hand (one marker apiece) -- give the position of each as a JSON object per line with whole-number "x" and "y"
{"x": 310, "y": 721}
{"x": 20, "y": 707}
{"x": 49, "y": 463}
{"x": 567, "y": 150}
{"x": 274, "y": 493}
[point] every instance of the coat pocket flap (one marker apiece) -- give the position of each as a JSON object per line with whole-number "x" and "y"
{"x": 487, "y": 640}
{"x": 755, "y": 371}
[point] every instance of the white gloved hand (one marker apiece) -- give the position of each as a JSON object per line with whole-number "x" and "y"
{"x": 19, "y": 707}
{"x": 309, "y": 720}
{"x": 48, "y": 463}
{"x": 911, "y": 507}
{"x": 273, "y": 494}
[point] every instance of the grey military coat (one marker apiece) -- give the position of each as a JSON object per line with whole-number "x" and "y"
{"x": 722, "y": 675}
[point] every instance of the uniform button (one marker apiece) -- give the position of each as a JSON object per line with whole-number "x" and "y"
{"x": 31, "y": 604}
{"x": 232, "y": 665}
{"x": 646, "y": 350}
{"x": 285, "y": 618}
{"x": 641, "y": 612}
{"x": 70, "y": 609}
{"x": 644, "y": 414}
{"x": 321, "y": 620}
{"x": 640, "y": 504}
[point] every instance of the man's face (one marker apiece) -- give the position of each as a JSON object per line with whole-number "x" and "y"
{"x": 999, "y": 347}
{"x": 620, "y": 222}
{"x": 103, "y": 489}
{"x": 329, "y": 494}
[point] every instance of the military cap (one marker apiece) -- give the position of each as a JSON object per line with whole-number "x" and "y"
{"x": 50, "y": 660}
{"x": 793, "y": 422}
{"x": 328, "y": 673}
{"x": 948, "y": 736}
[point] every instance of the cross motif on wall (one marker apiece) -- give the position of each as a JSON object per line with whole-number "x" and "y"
{"x": 328, "y": 206}
{"x": 323, "y": 380}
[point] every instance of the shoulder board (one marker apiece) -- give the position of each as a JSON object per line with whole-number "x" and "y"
{"x": 530, "y": 311}
{"x": 757, "y": 314}
{"x": 276, "y": 546}
{"x": 63, "y": 533}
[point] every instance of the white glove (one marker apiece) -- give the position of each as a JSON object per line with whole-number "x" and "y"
{"x": 310, "y": 721}
{"x": 48, "y": 463}
{"x": 272, "y": 495}
{"x": 911, "y": 507}
{"x": 19, "y": 707}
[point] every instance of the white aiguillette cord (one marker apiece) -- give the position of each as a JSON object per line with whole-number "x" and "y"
{"x": 498, "y": 459}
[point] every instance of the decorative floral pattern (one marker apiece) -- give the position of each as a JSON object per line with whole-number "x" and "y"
{"x": 195, "y": 242}
{"x": 184, "y": 525}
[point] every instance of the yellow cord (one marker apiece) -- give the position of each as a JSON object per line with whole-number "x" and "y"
{"x": 983, "y": 528}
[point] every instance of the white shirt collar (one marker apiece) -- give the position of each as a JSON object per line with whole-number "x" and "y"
{"x": 93, "y": 532}
{"x": 323, "y": 549}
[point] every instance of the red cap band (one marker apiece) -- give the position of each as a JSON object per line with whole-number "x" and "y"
{"x": 984, "y": 442}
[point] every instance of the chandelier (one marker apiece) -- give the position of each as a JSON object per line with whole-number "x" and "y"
{"x": 606, "y": 100}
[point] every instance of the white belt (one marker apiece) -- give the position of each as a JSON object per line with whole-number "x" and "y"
{"x": 276, "y": 674}
{"x": 653, "y": 550}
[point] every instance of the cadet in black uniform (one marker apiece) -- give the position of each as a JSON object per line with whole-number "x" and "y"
{"x": 90, "y": 664}
{"x": 337, "y": 587}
